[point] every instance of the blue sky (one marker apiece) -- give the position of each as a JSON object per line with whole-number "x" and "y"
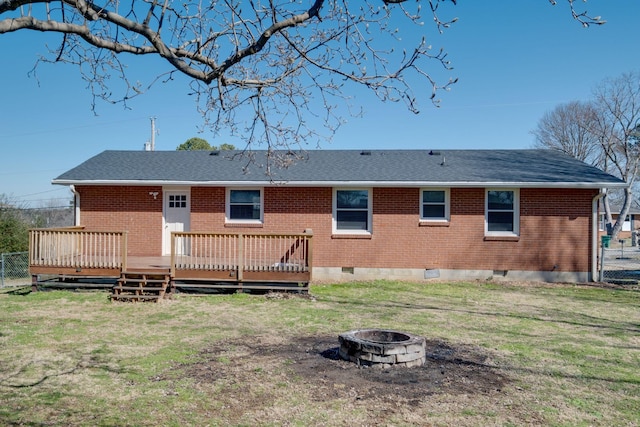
{"x": 515, "y": 60}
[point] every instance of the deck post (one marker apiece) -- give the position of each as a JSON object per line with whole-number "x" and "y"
{"x": 240, "y": 260}
{"x": 309, "y": 248}
{"x": 173, "y": 255}
{"x": 125, "y": 235}
{"x": 34, "y": 283}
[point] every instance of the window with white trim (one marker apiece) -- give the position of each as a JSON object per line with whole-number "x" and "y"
{"x": 434, "y": 205}
{"x": 502, "y": 212}
{"x": 352, "y": 211}
{"x": 244, "y": 205}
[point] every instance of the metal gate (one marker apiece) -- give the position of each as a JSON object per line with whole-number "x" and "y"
{"x": 620, "y": 262}
{"x": 14, "y": 269}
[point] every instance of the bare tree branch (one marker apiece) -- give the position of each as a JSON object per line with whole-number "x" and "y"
{"x": 258, "y": 69}
{"x": 604, "y": 131}
{"x": 569, "y": 129}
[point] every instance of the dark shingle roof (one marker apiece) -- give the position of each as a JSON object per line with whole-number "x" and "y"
{"x": 334, "y": 167}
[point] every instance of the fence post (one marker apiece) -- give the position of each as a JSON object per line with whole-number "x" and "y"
{"x": 601, "y": 275}
{"x": 1, "y": 270}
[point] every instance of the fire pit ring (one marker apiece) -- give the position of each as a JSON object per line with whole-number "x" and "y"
{"x": 382, "y": 348}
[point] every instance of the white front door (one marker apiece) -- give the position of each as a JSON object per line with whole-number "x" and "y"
{"x": 176, "y": 215}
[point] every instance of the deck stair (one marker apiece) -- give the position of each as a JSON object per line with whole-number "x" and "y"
{"x": 141, "y": 286}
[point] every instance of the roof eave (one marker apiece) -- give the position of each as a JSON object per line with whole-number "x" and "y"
{"x": 397, "y": 184}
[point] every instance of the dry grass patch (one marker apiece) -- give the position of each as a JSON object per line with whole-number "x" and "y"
{"x": 507, "y": 354}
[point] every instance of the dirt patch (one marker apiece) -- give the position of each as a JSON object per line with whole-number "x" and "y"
{"x": 312, "y": 364}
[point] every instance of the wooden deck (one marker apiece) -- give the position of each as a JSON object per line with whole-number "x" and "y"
{"x": 150, "y": 263}
{"x": 197, "y": 260}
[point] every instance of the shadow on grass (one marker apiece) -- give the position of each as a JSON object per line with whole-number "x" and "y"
{"x": 17, "y": 379}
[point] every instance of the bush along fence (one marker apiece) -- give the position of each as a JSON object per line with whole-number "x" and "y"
{"x": 14, "y": 269}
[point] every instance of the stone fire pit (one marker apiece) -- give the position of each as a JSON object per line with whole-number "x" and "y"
{"x": 382, "y": 348}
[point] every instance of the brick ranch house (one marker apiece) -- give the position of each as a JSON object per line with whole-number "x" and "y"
{"x": 394, "y": 214}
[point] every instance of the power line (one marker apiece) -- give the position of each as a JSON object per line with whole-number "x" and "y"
{"x": 29, "y": 172}
{"x": 48, "y": 131}
{"x": 46, "y": 208}
{"x": 42, "y": 192}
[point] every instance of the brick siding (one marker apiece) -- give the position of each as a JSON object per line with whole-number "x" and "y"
{"x": 555, "y": 226}
{"x": 131, "y": 209}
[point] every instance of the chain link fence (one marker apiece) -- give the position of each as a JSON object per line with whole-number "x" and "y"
{"x": 620, "y": 262}
{"x": 14, "y": 269}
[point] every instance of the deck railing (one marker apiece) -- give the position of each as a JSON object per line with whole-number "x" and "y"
{"x": 281, "y": 253}
{"x": 77, "y": 248}
{"x": 205, "y": 256}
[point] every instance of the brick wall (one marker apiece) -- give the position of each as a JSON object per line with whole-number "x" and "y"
{"x": 131, "y": 209}
{"x": 555, "y": 228}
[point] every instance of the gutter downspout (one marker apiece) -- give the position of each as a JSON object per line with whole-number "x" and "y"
{"x": 594, "y": 232}
{"x": 76, "y": 205}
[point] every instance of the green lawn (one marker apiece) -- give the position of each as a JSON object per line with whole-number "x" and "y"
{"x": 515, "y": 354}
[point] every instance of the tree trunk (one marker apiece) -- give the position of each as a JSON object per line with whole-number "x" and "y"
{"x": 608, "y": 216}
{"x": 626, "y": 206}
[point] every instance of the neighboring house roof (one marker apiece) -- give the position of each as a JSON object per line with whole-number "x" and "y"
{"x": 454, "y": 168}
{"x": 616, "y": 209}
